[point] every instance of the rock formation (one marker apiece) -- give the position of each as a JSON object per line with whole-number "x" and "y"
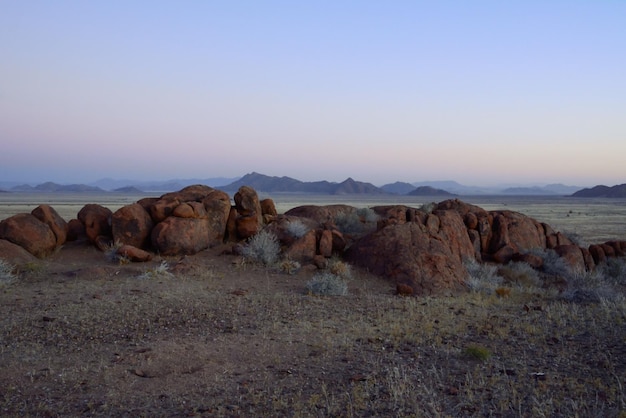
{"x": 421, "y": 251}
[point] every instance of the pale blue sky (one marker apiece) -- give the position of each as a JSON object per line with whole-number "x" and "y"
{"x": 481, "y": 92}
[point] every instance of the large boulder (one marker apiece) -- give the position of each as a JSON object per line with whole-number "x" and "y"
{"x": 97, "y": 221}
{"x": 247, "y": 202}
{"x": 429, "y": 259}
{"x": 180, "y": 236}
{"x": 217, "y": 206}
{"x": 162, "y": 208}
{"x": 49, "y": 216}
{"x": 193, "y": 193}
{"x": 14, "y": 254}
{"x": 29, "y": 233}
{"x": 572, "y": 255}
{"x": 520, "y": 232}
{"x": 321, "y": 214}
{"x": 303, "y": 249}
{"x": 132, "y": 225}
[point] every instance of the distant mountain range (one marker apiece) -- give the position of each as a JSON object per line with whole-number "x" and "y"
{"x": 265, "y": 183}
{"x": 273, "y": 184}
{"x": 603, "y": 191}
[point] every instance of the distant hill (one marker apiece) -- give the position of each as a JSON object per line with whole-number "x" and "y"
{"x": 527, "y": 191}
{"x": 350, "y": 186}
{"x": 399, "y": 187}
{"x": 263, "y": 183}
{"x": 128, "y": 189}
{"x": 618, "y": 191}
{"x": 50, "y": 187}
{"x": 429, "y": 191}
{"x": 162, "y": 185}
{"x": 550, "y": 189}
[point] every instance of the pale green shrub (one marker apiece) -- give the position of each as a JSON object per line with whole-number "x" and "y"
{"x": 327, "y": 284}
{"x": 614, "y": 270}
{"x": 361, "y": 221}
{"x": 297, "y": 228}
{"x": 161, "y": 271}
{"x": 482, "y": 277}
{"x": 521, "y": 274}
{"x": 262, "y": 248}
{"x": 340, "y": 268}
{"x": 368, "y": 215}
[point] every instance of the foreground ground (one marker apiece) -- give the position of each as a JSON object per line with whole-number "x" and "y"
{"x": 216, "y": 336}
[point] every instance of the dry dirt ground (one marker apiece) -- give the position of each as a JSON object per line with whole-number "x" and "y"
{"x": 213, "y": 335}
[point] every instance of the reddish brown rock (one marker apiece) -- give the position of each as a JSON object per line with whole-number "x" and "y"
{"x": 617, "y": 248}
{"x": 471, "y": 220}
{"x": 339, "y": 242}
{"x": 562, "y": 239}
{"x": 190, "y": 210}
{"x": 217, "y": 207}
{"x": 134, "y": 254}
{"x": 14, "y": 254}
{"x": 96, "y": 219}
{"x": 75, "y": 230}
{"x": 231, "y": 225}
{"x": 533, "y": 260}
{"x": 247, "y": 202}
{"x": 432, "y": 223}
{"x": 461, "y": 208}
{"x": 179, "y": 236}
{"x": 147, "y": 202}
{"x": 572, "y": 255}
{"x": 609, "y": 251}
{"x": 597, "y": 252}
{"x": 404, "y": 290}
{"x": 320, "y": 214}
{"x": 247, "y": 226}
{"x": 326, "y": 243}
{"x": 519, "y": 231}
{"x": 474, "y": 237}
{"x": 412, "y": 254}
{"x": 590, "y": 264}
{"x": 132, "y": 225}
{"x": 193, "y": 193}
{"x": 268, "y": 207}
{"x": 29, "y": 233}
{"x": 504, "y": 254}
{"x": 162, "y": 208}
{"x": 303, "y": 249}
{"x": 395, "y": 213}
{"x": 49, "y": 216}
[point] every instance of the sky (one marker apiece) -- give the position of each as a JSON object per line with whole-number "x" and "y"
{"x": 480, "y": 92}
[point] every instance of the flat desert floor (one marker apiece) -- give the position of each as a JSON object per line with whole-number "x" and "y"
{"x": 217, "y": 335}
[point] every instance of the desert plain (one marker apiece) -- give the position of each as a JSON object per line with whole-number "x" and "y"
{"x": 215, "y": 334}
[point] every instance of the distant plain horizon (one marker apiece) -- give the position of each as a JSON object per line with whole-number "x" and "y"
{"x": 484, "y": 93}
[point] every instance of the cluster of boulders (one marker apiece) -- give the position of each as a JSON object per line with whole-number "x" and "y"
{"x": 422, "y": 251}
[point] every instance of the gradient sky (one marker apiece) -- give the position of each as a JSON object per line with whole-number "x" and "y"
{"x": 481, "y": 92}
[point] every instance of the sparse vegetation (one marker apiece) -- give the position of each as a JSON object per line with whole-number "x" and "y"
{"x": 478, "y": 352}
{"x": 289, "y": 266}
{"x": 297, "y": 228}
{"x": 482, "y": 277}
{"x": 159, "y": 272}
{"x": 262, "y": 248}
{"x": 357, "y": 222}
{"x": 90, "y": 339}
{"x": 112, "y": 253}
{"x": 327, "y": 284}
{"x": 7, "y": 273}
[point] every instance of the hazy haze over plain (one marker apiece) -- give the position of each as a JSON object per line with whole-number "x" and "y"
{"x": 481, "y": 92}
